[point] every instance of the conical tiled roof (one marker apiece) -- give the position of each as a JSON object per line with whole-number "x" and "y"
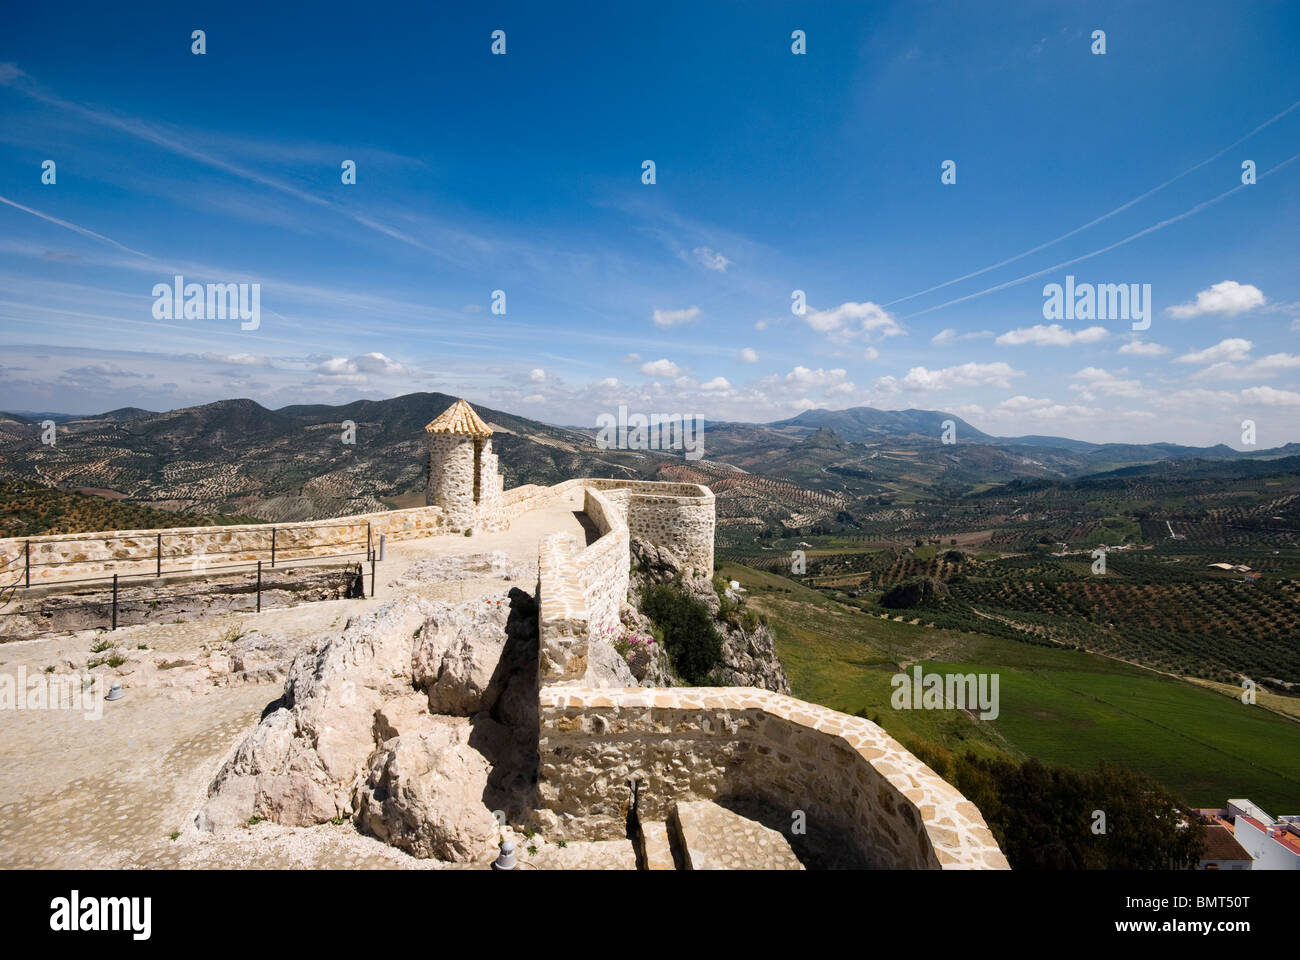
{"x": 459, "y": 418}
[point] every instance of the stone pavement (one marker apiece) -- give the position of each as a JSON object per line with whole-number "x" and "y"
{"x": 715, "y": 838}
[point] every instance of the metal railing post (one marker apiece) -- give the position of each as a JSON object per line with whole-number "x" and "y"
{"x": 115, "y": 601}
{"x": 259, "y": 586}
{"x": 273, "y": 546}
{"x": 159, "y": 549}
{"x": 372, "y": 574}
{"x": 370, "y": 550}
{"x": 27, "y": 562}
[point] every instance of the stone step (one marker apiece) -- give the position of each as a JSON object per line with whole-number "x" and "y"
{"x": 711, "y": 837}
{"x": 656, "y": 851}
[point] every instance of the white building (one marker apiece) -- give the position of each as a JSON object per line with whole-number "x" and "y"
{"x": 1272, "y": 844}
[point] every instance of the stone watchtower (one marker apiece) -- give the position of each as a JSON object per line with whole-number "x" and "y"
{"x": 463, "y": 477}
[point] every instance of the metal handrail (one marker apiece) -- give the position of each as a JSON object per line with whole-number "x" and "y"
{"x": 277, "y": 551}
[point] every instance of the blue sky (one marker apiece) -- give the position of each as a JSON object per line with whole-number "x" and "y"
{"x": 775, "y": 172}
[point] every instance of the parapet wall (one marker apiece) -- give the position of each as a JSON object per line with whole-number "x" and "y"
{"x": 845, "y": 774}
{"x": 581, "y": 589}
{"x": 79, "y": 556}
{"x": 885, "y": 808}
{"x": 647, "y": 509}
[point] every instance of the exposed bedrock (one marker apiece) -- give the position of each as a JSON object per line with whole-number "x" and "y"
{"x": 418, "y": 721}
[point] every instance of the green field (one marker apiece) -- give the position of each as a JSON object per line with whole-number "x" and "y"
{"x": 1066, "y": 708}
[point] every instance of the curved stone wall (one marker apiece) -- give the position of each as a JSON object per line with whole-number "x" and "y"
{"x": 847, "y": 776}
{"x": 581, "y": 590}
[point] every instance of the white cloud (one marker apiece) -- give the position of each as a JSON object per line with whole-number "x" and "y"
{"x": 1271, "y": 397}
{"x": 1046, "y": 410}
{"x": 104, "y": 369}
{"x": 632, "y": 358}
{"x": 1232, "y": 350}
{"x": 804, "y": 378}
{"x": 747, "y": 355}
{"x": 378, "y": 363}
{"x": 538, "y": 375}
{"x": 1228, "y": 298}
{"x": 711, "y": 259}
{"x": 1144, "y": 348}
{"x": 608, "y": 383}
{"x": 669, "y": 318}
{"x": 972, "y": 374}
{"x": 240, "y": 359}
{"x": 1053, "y": 335}
{"x": 1278, "y": 361}
{"x": 660, "y": 368}
{"x": 851, "y": 319}
{"x": 534, "y": 398}
{"x": 717, "y": 383}
{"x": 1105, "y": 383}
{"x": 357, "y": 370}
{"x": 871, "y": 354}
{"x": 951, "y": 336}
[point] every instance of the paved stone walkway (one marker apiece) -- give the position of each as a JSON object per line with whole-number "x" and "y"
{"x": 715, "y": 838}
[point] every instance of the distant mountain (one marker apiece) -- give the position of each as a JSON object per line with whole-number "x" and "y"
{"x": 867, "y": 424}
{"x": 238, "y": 458}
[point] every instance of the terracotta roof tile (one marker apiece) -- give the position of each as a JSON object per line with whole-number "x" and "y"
{"x": 459, "y": 418}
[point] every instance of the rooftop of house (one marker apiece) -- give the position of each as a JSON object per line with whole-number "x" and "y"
{"x": 1220, "y": 844}
{"x": 459, "y": 418}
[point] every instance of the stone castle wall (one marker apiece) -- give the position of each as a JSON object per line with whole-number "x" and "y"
{"x": 584, "y": 589}
{"x": 80, "y": 556}
{"x": 884, "y": 807}
{"x": 849, "y": 778}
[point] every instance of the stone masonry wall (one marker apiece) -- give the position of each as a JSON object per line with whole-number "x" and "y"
{"x": 581, "y": 590}
{"x": 888, "y": 809}
{"x": 78, "y": 556}
{"x": 603, "y": 568}
{"x": 451, "y": 478}
{"x": 691, "y": 743}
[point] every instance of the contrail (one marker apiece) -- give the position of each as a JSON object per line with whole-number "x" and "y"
{"x": 1104, "y": 216}
{"x": 72, "y": 226}
{"x": 1118, "y": 243}
{"x": 159, "y": 138}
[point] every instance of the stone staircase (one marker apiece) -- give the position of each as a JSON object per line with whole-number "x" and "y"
{"x": 702, "y": 835}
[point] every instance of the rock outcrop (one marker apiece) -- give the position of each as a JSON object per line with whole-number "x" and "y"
{"x": 749, "y": 656}
{"x": 418, "y": 721}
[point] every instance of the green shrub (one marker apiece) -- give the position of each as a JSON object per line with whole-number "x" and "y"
{"x": 689, "y": 636}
